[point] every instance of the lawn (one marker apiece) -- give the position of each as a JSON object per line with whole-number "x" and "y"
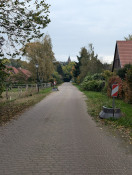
{"x": 10, "y": 108}
{"x": 95, "y": 101}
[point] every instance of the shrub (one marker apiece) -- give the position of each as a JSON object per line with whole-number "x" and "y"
{"x": 117, "y": 80}
{"x": 107, "y": 74}
{"x": 98, "y": 76}
{"x": 87, "y": 78}
{"x": 123, "y": 71}
{"x": 93, "y": 85}
{"x": 93, "y": 82}
{"x": 127, "y": 86}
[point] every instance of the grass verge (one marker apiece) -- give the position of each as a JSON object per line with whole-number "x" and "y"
{"x": 95, "y": 101}
{"x": 10, "y": 109}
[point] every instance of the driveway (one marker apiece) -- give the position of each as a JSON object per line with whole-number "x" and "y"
{"x": 58, "y": 137}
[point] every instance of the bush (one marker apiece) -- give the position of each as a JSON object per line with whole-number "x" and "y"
{"x": 98, "y": 76}
{"x": 127, "y": 86}
{"x": 56, "y": 77}
{"x": 93, "y": 85}
{"x": 87, "y": 78}
{"x": 123, "y": 71}
{"x": 93, "y": 82}
{"x": 107, "y": 74}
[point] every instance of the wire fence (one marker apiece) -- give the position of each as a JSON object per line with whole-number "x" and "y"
{"x": 17, "y": 91}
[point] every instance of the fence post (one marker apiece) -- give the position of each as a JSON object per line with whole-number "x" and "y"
{"x": 26, "y": 87}
{"x": 19, "y": 92}
{"x": 7, "y": 96}
{"x": 36, "y": 87}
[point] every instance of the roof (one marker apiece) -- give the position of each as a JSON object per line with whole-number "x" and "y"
{"x": 15, "y": 70}
{"x": 25, "y": 72}
{"x": 125, "y": 52}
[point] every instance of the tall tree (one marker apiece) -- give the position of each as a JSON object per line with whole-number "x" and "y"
{"x": 88, "y": 63}
{"x": 20, "y": 22}
{"x": 41, "y": 53}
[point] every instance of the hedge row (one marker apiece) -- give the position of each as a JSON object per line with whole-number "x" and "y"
{"x": 103, "y": 82}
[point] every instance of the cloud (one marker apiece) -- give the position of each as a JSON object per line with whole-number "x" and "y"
{"x": 76, "y": 23}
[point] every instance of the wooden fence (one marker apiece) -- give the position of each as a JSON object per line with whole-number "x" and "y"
{"x": 22, "y": 90}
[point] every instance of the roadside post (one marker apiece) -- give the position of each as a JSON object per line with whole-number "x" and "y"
{"x": 112, "y": 112}
{"x": 114, "y": 93}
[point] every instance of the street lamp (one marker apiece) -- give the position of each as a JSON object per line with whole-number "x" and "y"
{"x": 37, "y": 76}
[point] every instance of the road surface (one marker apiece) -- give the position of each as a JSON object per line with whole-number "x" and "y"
{"x": 58, "y": 137}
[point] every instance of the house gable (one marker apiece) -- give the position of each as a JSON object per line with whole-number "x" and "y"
{"x": 116, "y": 63}
{"x": 123, "y": 54}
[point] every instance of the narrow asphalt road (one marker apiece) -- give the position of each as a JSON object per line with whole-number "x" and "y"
{"x": 58, "y": 137}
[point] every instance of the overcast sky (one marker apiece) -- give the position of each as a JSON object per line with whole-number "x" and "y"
{"x": 76, "y": 23}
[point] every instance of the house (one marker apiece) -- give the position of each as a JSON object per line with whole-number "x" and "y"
{"x": 26, "y": 72}
{"x": 123, "y": 54}
{"x": 14, "y": 70}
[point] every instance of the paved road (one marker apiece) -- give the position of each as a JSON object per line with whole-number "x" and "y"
{"x": 57, "y": 137}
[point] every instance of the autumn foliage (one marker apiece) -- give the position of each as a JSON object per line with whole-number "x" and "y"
{"x": 115, "y": 80}
{"x": 125, "y": 86}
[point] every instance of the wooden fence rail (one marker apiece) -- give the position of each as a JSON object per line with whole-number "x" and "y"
{"x": 22, "y": 90}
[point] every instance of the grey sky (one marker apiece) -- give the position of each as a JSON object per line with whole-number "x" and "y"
{"x": 76, "y": 23}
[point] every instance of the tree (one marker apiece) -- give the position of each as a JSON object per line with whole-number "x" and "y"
{"x": 59, "y": 69}
{"x": 20, "y": 22}
{"x": 128, "y": 38}
{"x": 57, "y": 77}
{"x": 3, "y": 76}
{"x": 89, "y": 62}
{"x": 17, "y": 63}
{"x": 41, "y": 53}
{"x": 77, "y": 67}
{"x": 67, "y": 70}
{"x": 76, "y": 71}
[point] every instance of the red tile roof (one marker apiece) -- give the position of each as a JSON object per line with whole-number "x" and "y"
{"x": 25, "y": 72}
{"x": 125, "y": 52}
{"x": 14, "y": 70}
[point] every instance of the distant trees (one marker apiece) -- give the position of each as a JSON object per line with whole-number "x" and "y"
{"x": 17, "y": 63}
{"x": 68, "y": 71}
{"x": 20, "y": 22}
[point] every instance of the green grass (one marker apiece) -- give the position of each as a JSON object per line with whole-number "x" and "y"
{"x": 10, "y": 109}
{"x": 96, "y": 100}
